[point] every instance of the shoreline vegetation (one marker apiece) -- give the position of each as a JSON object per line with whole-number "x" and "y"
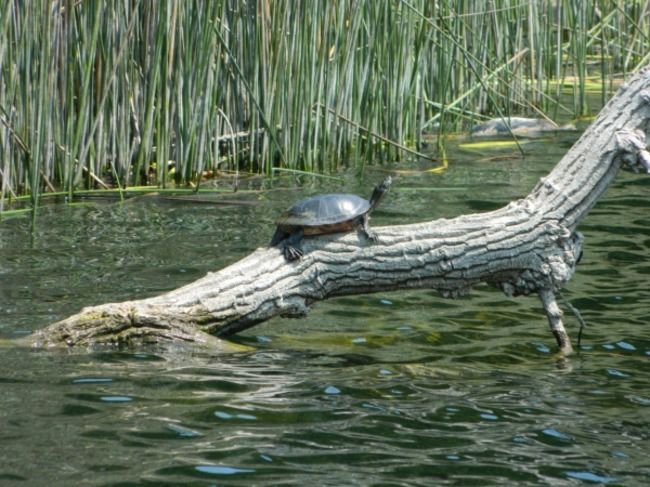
{"x": 117, "y": 95}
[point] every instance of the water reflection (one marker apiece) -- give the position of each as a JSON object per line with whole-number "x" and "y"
{"x": 400, "y": 388}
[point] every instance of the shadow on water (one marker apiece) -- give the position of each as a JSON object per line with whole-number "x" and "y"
{"x": 401, "y": 388}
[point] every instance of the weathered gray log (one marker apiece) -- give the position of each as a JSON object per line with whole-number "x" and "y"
{"x": 529, "y": 246}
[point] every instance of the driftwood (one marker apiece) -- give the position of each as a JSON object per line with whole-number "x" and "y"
{"x": 531, "y": 246}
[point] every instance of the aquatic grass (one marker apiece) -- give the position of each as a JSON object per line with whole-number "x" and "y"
{"x": 287, "y": 170}
{"x": 170, "y": 94}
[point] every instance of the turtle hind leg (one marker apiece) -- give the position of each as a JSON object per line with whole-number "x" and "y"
{"x": 292, "y": 249}
{"x": 365, "y": 229}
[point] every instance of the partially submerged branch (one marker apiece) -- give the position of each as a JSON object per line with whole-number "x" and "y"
{"x": 529, "y": 246}
{"x": 554, "y": 315}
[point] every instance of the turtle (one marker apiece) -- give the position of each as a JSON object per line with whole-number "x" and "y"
{"x": 323, "y": 214}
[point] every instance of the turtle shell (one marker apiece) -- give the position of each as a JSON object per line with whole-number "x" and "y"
{"x": 326, "y": 210}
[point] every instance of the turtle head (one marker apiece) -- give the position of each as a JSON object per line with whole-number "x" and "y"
{"x": 379, "y": 192}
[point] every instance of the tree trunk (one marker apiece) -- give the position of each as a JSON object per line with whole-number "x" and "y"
{"x": 529, "y": 246}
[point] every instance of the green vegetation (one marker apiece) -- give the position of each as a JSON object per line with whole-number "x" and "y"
{"x": 109, "y": 94}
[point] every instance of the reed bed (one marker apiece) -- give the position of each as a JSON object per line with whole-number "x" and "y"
{"x": 147, "y": 92}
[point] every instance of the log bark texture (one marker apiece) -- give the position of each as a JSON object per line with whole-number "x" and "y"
{"x": 529, "y": 246}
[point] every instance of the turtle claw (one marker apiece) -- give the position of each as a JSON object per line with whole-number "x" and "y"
{"x": 292, "y": 253}
{"x": 373, "y": 237}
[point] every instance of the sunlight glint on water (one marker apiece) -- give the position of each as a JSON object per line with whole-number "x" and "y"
{"x": 402, "y": 388}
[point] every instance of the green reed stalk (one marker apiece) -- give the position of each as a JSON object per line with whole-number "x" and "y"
{"x": 109, "y": 94}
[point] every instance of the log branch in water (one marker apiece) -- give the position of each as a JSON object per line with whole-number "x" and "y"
{"x": 529, "y": 246}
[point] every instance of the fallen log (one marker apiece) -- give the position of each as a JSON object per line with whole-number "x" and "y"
{"x": 531, "y": 246}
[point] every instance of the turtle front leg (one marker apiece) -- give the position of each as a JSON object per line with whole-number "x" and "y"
{"x": 365, "y": 229}
{"x": 292, "y": 249}
{"x": 278, "y": 237}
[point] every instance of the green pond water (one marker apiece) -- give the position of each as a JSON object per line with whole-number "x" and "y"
{"x": 391, "y": 389}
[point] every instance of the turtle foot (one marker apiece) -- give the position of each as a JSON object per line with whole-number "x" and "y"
{"x": 372, "y": 236}
{"x": 292, "y": 253}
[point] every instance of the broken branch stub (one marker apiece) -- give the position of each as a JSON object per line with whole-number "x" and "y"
{"x": 530, "y": 246}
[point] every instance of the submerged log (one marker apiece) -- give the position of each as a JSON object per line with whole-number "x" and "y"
{"x": 531, "y": 246}
{"x": 518, "y": 126}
